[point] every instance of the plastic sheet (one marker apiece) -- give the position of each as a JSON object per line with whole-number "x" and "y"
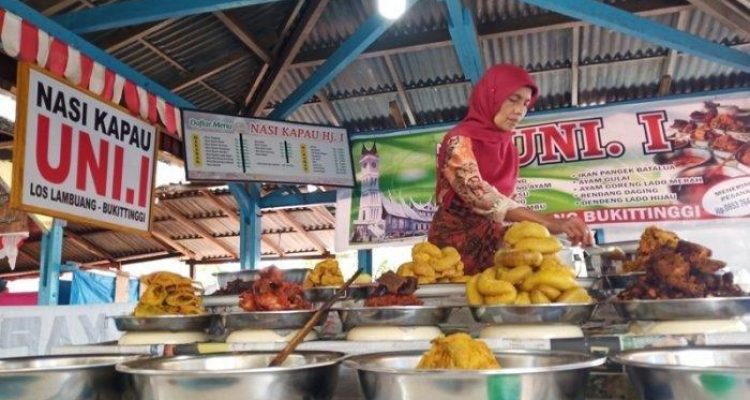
{"x": 91, "y": 288}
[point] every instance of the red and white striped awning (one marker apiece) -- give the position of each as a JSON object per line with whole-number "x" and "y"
{"x": 24, "y": 41}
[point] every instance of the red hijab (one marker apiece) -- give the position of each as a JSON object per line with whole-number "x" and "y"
{"x": 496, "y": 155}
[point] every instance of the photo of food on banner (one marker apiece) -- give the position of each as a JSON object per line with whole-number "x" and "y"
{"x": 711, "y": 144}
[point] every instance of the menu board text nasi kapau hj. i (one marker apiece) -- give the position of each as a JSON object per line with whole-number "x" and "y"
{"x": 230, "y": 148}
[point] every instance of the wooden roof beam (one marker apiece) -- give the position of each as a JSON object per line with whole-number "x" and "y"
{"x": 172, "y": 243}
{"x": 405, "y": 103}
{"x": 232, "y": 214}
{"x": 88, "y": 246}
{"x": 231, "y": 23}
{"x": 213, "y": 69}
{"x": 279, "y": 66}
{"x": 301, "y": 229}
{"x": 201, "y": 231}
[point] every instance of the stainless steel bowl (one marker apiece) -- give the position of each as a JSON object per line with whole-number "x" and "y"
{"x": 64, "y": 378}
{"x": 534, "y": 314}
{"x": 683, "y": 309}
{"x": 304, "y": 375}
{"x": 172, "y": 323}
{"x": 524, "y": 375}
{"x": 322, "y": 294}
{"x": 705, "y": 373}
{"x": 292, "y": 319}
{"x": 394, "y": 316}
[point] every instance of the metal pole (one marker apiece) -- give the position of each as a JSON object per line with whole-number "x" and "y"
{"x": 50, "y": 264}
{"x": 364, "y": 258}
{"x": 248, "y": 198}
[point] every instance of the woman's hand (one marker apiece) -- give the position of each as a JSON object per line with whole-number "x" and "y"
{"x": 576, "y": 230}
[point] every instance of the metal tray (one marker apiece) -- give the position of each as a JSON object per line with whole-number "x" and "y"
{"x": 683, "y": 309}
{"x": 525, "y": 374}
{"x": 293, "y": 319}
{"x": 322, "y": 294}
{"x": 576, "y": 314}
{"x": 172, "y": 323}
{"x": 394, "y": 316}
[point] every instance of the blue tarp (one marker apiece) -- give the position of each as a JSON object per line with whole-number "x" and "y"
{"x": 90, "y": 288}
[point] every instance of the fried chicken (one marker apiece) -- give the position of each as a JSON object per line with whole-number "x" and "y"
{"x": 683, "y": 271}
{"x": 271, "y": 292}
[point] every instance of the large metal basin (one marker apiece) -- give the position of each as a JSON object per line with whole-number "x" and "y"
{"x": 64, "y": 378}
{"x": 525, "y": 375}
{"x": 241, "y": 376}
{"x": 706, "y": 373}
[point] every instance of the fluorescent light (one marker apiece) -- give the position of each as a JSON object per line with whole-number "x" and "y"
{"x": 391, "y": 9}
{"x": 312, "y": 188}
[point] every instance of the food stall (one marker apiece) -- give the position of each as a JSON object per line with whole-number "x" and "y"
{"x": 646, "y": 313}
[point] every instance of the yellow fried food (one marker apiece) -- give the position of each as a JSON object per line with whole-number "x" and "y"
{"x": 517, "y": 274}
{"x": 473, "y": 297}
{"x": 423, "y": 269}
{"x": 167, "y": 293}
{"x": 516, "y": 258}
{"x": 422, "y": 258}
{"x": 555, "y": 279}
{"x": 522, "y": 299}
{"x": 406, "y": 269}
{"x": 460, "y": 279}
{"x": 425, "y": 280}
{"x": 427, "y": 248}
{"x": 525, "y": 229}
{"x": 543, "y": 245}
{"x": 458, "y": 351}
{"x": 538, "y": 297}
{"x": 505, "y": 298}
{"x": 488, "y": 286}
{"x": 325, "y": 273}
{"x": 549, "y": 292}
{"x": 575, "y": 295}
{"x": 446, "y": 262}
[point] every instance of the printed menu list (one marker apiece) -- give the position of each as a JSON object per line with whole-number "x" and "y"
{"x": 233, "y": 148}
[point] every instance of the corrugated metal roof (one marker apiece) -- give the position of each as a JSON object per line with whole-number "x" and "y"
{"x": 533, "y": 51}
{"x": 603, "y": 45}
{"x": 428, "y": 67}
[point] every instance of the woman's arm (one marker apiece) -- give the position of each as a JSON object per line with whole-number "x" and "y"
{"x": 573, "y": 227}
{"x": 462, "y": 173}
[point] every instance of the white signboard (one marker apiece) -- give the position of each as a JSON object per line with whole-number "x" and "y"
{"x": 79, "y": 158}
{"x": 230, "y": 148}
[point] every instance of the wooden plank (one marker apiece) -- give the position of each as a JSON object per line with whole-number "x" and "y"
{"x": 88, "y": 246}
{"x": 201, "y": 231}
{"x": 172, "y": 243}
{"x": 317, "y": 244}
{"x": 232, "y": 214}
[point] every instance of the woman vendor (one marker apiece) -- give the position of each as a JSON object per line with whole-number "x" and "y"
{"x": 477, "y": 170}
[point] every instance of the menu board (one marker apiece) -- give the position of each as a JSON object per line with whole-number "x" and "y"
{"x": 222, "y": 147}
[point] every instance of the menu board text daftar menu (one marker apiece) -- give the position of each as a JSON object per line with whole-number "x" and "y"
{"x": 79, "y": 158}
{"x": 229, "y": 148}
